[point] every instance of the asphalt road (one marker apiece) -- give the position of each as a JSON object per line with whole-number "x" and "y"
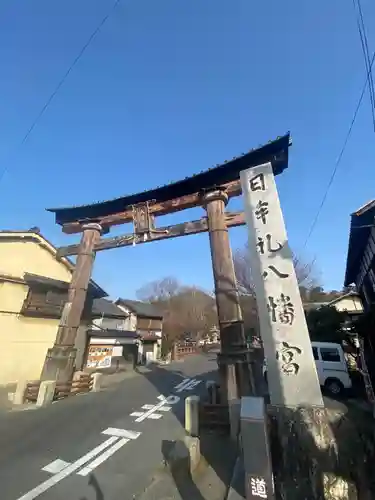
{"x": 85, "y": 463}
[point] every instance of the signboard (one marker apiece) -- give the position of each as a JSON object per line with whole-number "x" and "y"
{"x": 99, "y": 356}
{"x": 291, "y": 370}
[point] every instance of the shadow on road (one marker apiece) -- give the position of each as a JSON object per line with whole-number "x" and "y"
{"x": 217, "y": 451}
{"x": 93, "y": 482}
{"x": 350, "y": 457}
{"x": 180, "y": 472}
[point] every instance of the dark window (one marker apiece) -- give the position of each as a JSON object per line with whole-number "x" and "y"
{"x": 329, "y": 354}
{"x": 43, "y": 303}
{"x": 315, "y": 352}
{"x": 56, "y": 298}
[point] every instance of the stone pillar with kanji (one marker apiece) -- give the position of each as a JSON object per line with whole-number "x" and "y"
{"x": 303, "y": 439}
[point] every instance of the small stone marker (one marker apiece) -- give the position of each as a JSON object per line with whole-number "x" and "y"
{"x": 257, "y": 459}
{"x": 97, "y": 379}
{"x": 19, "y": 395}
{"x": 46, "y": 392}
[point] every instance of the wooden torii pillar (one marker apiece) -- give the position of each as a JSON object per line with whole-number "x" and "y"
{"x": 60, "y": 359}
{"x": 233, "y": 360}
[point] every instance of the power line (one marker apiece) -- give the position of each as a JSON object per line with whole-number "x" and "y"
{"x": 366, "y": 54}
{"x": 338, "y": 161}
{"x": 62, "y": 81}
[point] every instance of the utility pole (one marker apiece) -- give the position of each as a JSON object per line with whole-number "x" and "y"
{"x": 233, "y": 360}
{"x": 60, "y": 360}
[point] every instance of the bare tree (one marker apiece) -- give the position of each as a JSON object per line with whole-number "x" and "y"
{"x": 186, "y": 309}
{"x": 306, "y": 272}
{"x": 198, "y": 310}
{"x": 159, "y": 290}
{"x": 306, "y": 277}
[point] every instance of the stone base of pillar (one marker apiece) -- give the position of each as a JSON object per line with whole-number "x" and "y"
{"x": 59, "y": 363}
{"x": 235, "y": 362}
{"x": 235, "y": 375}
{"x": 320, "y": 453}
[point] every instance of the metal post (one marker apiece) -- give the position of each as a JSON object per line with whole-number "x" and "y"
{"x": 60, "y": 359}
{"x": 233, "y": 359}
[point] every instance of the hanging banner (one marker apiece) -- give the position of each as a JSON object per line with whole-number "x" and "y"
{"x": 291, "y": 371}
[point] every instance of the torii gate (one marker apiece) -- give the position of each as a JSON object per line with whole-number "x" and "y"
{"x": 210, "y": 189}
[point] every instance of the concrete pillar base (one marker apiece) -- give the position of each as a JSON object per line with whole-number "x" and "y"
{"x": 59, "y": 363}
{"x": 19, "y": 395}
{"x": 97, "y": 380}
{"x": 46, "y": 393}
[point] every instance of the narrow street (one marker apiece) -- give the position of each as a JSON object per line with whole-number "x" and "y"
{"x": 100, "y": 445}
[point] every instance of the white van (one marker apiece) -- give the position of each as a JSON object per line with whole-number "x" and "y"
{"x": 331, "y": 367}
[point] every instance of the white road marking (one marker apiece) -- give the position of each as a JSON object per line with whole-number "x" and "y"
{"x": 171, "y": 400}
{"x": 149, "y": 407}
{"x": 46, "y": 485}
{"x": 183, "y": 383}
{"x": 123, "y": 433}
{"x": 103, "y": 457}
{"x": 187, "y": 385}
{"x": 151, "y": 410}
{"x": 137, "y": 413}
{"x": 193, "y": 384}
{"x": 147, "y": 414}
{"x": 165, "y": 408}
{"x": 62, "y": 469}
{"x": 56, "y": 466}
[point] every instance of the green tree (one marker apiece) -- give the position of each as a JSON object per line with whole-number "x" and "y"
{"x": 326, "y": 324}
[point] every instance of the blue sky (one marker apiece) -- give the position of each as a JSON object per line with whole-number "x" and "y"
{"x": 172, "y": 87}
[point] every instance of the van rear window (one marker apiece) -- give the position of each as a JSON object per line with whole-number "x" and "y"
{"x": 329, "y": 354}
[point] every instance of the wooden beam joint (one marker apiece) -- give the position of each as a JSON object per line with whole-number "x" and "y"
{"x": 153, "y": 209}
{"x": 233, "y": 219}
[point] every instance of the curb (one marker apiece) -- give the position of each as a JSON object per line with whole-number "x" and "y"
{"x": 237, "y": 483}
